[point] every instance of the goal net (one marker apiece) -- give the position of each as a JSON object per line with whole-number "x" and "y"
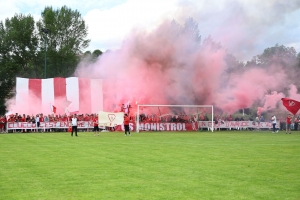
{"x": 174, "y": 118}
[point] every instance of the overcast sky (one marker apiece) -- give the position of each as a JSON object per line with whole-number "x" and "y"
{"x": 245, "y": 28}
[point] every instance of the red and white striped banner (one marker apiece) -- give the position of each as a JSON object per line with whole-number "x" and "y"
{"x": 66, "y": 94}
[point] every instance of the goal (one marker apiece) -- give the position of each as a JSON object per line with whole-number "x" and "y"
{"x": 174, "y": 118}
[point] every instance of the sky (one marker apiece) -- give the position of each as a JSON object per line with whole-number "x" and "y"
{"x": 244, "y": 28}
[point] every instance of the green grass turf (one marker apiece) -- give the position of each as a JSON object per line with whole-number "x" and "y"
{"x": 150, "y": 165}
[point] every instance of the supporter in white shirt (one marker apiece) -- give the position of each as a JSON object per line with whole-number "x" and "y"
{"x": 37, "y": 122}
{"x": 274, "y": 124}
{"x": 74, "y": 125}
{"x": 46, "y": 120}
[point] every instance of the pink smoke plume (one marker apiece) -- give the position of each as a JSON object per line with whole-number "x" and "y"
{"x": 293, "y": 93}
{"x": 270, "y": 102}
{"x": 31, "y": 105}
{"x": 168, "y": 66}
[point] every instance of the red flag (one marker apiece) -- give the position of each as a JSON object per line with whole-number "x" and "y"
{"x": 53, "y": 108}
{"x": 291, "y": 105}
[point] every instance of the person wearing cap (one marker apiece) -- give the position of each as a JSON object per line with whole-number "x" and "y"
{"x": 126, "y": 124}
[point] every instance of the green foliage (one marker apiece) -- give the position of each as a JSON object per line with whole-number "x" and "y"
{"x": 87, "y": 53}
{"x": 21, "y": 40}
{"x": 23, "y": 46}
{"x": 18, "y": 47}
{"x": 298, "y": 60}
{"x": 97, "y": 53}
{"x": 65, "y": 41}
{"x": 92, "y": 57}
{"x": 153, "y": 165}
{"x": 279, "y": 55}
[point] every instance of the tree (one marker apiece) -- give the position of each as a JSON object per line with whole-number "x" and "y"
{"x": 298, "y": 60}
{"x": 190, "y": 32}
{"x": 97, "y": 53}
{"x": 87, "y": 54}
{"x": 91, "y": 57}
{"x": 190, "y": 28}
{"x": 210, "y": 44}
{"x": 285, "y": 56}
{"x": 65, "y": 41}
{"x": 22, "y": 47}
{"x": 233, "y": 64}
{"x": 18, "y": 47}
{"x": 19, "y": 41}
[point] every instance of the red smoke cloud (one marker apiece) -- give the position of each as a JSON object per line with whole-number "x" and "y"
{"x": 270, "y": 102}
{"x": 170, "y": 66}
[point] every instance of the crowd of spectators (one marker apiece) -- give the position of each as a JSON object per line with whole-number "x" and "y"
{"x": 154, "y": 118}
{"x": 38, "y": 118}
{"x": 172, "y": 118}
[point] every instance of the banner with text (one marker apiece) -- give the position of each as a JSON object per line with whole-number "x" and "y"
{"x": 47, "y": 125}
{"x": 177, "y": 126}
{"x": 147, "y": 126}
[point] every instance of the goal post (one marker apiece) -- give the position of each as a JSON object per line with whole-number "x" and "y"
{"x": 155, "y": 117}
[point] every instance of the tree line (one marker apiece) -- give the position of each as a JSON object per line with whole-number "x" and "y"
{"x": 50, "y": 47}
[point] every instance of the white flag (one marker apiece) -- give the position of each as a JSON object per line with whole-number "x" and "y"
{"x": 110, "y": 119}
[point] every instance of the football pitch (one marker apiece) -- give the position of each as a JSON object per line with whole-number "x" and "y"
{"x": 150, "y": 165}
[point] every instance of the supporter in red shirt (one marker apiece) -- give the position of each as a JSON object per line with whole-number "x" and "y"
{"x": 126, "y": 124}
{"x": 56, "y": 118}
{"x": 41, "y": 118}
{"x": 288, "y": 124}
{"x": 51, "y": 118}
{"x": 2, "y": 123}
{"x": 186, "y": 118}
{"x": 82, "y": 118}
{"x": 86, "y": 118}
{"x": 11, "y": 118}
{"x": 23, "y": 119}
{"x": 202, "y": 118}
{"x": 70, "y": 117}
{"x": 60, "y": 118}
{"x": 64, "y": 118}
{"x": 96, "y": 127}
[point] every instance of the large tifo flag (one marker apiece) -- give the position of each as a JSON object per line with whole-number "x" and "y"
{"x": 66, "y": 94}
{"x": 291, "y": 105}
{"x": 110, "y": 119}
